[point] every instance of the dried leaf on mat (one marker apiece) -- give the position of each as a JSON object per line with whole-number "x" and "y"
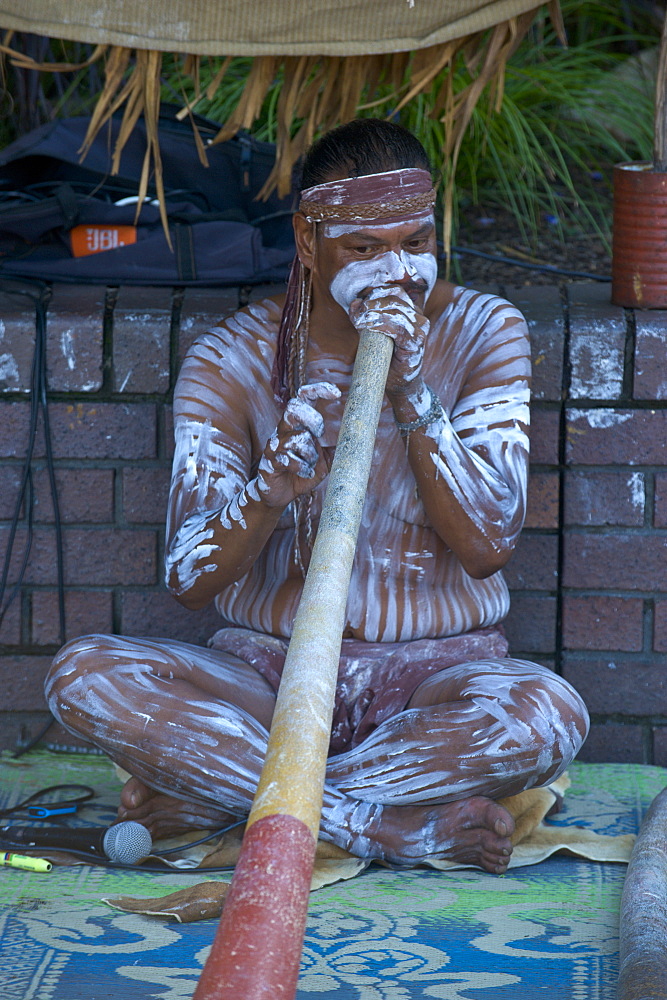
{"x": 198, "y": 902}
{"x": 206, "y": 899}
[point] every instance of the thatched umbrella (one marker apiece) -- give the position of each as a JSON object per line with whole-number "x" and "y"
{"x": 334, "y": 58}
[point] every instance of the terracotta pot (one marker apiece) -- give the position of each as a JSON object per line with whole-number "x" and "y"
{"x": 639, "y": 254}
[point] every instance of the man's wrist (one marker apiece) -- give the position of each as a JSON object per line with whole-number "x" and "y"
{"x": 410, "y": 402}
{"x": 428, "y": 410}
{"x": 256, "y": 491}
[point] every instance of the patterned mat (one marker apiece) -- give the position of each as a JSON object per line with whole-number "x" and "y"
{"x": 382, "y": 936}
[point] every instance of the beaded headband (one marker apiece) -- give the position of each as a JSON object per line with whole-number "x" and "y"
{"x": 389, "y": 195}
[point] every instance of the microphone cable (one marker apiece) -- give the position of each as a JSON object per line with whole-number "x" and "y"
{"x": 40, "y": 294}
{"x": 41, "y": 806}
{"x": 143, "y": 867}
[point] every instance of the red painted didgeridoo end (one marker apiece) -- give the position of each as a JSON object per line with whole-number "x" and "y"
{"x": 257, "y": 948}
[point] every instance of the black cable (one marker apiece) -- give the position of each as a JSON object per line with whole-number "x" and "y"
{"x": 40, "y": 325}
{"x": 39, "y": 736}
{"x": 40, "y": 294}
{"x": 544, "y": 268}
{"x": 107, "y": 863}
{"x": 25, "y": 488}
{"x": 196, "y": 843}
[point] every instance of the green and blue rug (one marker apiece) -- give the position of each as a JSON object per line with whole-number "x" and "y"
{"x": 550, "y": 929}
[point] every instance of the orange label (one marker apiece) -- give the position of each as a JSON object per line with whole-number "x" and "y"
{"x": 86, "y": 240}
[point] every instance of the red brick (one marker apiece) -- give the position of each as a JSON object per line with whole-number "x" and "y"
{"x": 202, "y": 309}
{"x": 258, "y": 292}
{"x": 660, "y": 513}
{"x": 589, "y": 305}
{"x": 18, "y": 728}
{"x": 141, "y": 340}
{"x": 85, "y": 611}
{"x": 617, "y": 437}
{"x": 22, "y": 682}
{"x": 618, "y": 561}
{"x": 10, "y": 483}
{"x": 73, "y": 341}
{"x": 84, "y": 495}
{"x": 534, "y": 563}
{"x": 17, "y": 340}
{"x": 660, "y": 627}
{"x": 10, "y": 626}
{"x": 544, "y": 435}
{"x": 14, "y": 428}
{"x": 597, "y": 498}
{"x": 614, "y": 742}
{"x": 103, "y": 430}
{"x": 650, "y": 355}
{"x": 82, "y": 430}
{"x": 623, "y": 684}
{"x": 167, "y": 416}
{"x": 543, "y": 493}
{"x": 145, "y": 493}
{"x": 597, "y": 356}
{"x": 157, "y": 613}
{"x": 75, "y": 328}
{"x": 543, "y": 310}
{"x": 660, "y": 746}
{"x": 600, "y": 622}
{"x": 96, "y": 556}
{"x": 531, "y": 624}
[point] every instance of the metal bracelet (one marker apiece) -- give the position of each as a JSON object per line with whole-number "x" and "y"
{"x": 434, "y": 412}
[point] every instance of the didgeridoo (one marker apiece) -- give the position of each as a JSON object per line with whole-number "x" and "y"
{"x": 257, "y": 947}
{"x": 643, "y": 931}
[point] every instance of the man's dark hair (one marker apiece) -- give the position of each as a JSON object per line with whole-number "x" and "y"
{"x": 360, "y": 147}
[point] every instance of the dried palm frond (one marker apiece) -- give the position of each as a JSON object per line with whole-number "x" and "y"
{"x": 317, "y": 93}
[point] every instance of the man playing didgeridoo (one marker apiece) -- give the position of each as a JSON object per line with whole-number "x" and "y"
{"x": 433, "y": 720}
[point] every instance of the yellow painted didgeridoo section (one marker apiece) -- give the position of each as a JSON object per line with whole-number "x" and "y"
{"x": 292, "y": 779}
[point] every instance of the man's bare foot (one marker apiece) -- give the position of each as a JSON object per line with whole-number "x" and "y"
{"x": 163, "y": 815}
{"x": 474, "y": 831}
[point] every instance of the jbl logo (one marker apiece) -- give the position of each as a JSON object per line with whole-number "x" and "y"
{"x": 86, "y": 240}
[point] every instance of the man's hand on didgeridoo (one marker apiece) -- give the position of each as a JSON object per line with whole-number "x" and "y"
{"x": 391, "y": 310}
{"x": 294, "y": 462}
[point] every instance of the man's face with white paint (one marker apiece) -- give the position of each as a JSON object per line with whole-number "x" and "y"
{"x": 353, "y": 258}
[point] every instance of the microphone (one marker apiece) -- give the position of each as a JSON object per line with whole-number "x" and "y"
{"x": 125, "y": 843}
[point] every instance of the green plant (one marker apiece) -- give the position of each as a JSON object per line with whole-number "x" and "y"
{"x": 566, "y": 118}
{"x": 567, "y": 115}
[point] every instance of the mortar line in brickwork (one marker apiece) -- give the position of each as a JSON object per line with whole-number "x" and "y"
{"x": 631, "y": 719}
{"x": 177, "y": 299}
{"x": 647, "y": 743}
{"x": 650, "y": 499}
{"x": 562, "y": 459}
{"x": 629, "y": 355}
{"x": 116, "y": 611}
{"x": 110, "y": 299}
{"x": 25, "y": 599}
{"x": 648, "y": 624}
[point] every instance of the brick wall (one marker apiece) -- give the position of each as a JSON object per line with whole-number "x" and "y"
{"x": 589, "y": 577}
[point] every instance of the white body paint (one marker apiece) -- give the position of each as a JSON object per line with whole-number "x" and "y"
{"x": 382, "y": 270}
{"x": 181, "y": 719}
{"x": 392, "y": 596}
{"x": 331, "y": 230}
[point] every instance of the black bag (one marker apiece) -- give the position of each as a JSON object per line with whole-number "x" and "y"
{"x": 62, "y": 220}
